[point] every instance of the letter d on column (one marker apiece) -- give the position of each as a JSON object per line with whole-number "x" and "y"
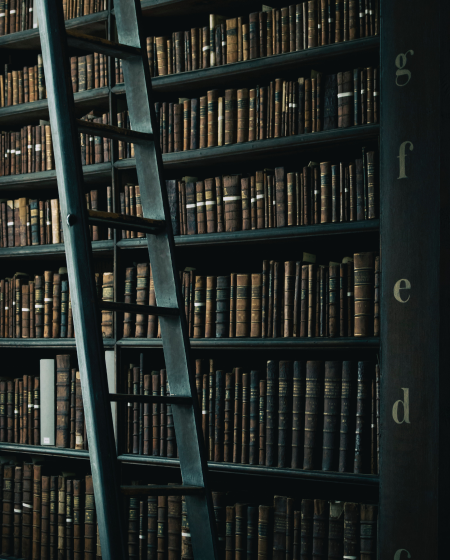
{"x": 405, "y": 403}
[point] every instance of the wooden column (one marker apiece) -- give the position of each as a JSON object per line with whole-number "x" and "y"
{"x": 415, "y": 248}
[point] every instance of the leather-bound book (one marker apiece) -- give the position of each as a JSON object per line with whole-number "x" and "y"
{"x": 230, "y": 533}
{"x": 28, "y": 409}
{"x": 63, "y": 400}
{"x": 307, "y": 517}
{"x": 17, "y": 523}
{"x": 35, "y": 411}
{"x": 186, "y": 544}
{"x": 363, "y": 411}
{"x": 336, "y": 530}
{"x": 56, "y": 308}
{"x": 254, "y": 35}
{"x": 347, "y": 417}
{"x": 25, "y": 310}
{"x": 252, "y": 115}
{"x": 333, "y": 307}
{"x": 64, "y": 306}
{"x": 271, "y": 413}
{"x": 45, "y": 520}
{"x": 345, "y": 98}
{"x": 2, "y": 411}
{"x": 303, "y": 331}
{"x": 350, "y": 299}
{"x": 211, "y": 409}
{"x": 191, "y": 208}
{"x": 161, "y": 55}
{"x": 163, "y": 415}
{"x": 360, "y": 194}
{"x": 262, "y": 423}
{"x": 205, "y": 411}
{"x": 9, "y": 409}
{"x": 255, "y": 312}
{"x": 179, "y": 52}
{"x": 242, "y": 115}
{"x": 27, "y": 511}
{"x": 205, "y": 47}
{"x": 279, "y": 532}
{"x": 325, "y": 192}
{"x": 222, "y": 306}
{"x": 245, "y": 41}
{"x": 291, "y": 200}
{"x": 79, "y": 413}
{"x": 174, "y": 527}
{"x": 232, "y": 40}
{"x": 200, "y": 206}
{"x": 107, "y": 295}
{"x": 228, "y": 418}
{"x": 219, "y": 415}
{"x": 177, "y": 129}
{"x": 162, "y": 527}
{"x": 353, "y": 20}
{"x": 77, "y": 518}
{"x": 194, "y": 128}
{"x": 312, "y": 273}
{"x": 232, "y": 202}
{"x": 280, "y": 197}
{"x": 129, "y": 319}
{"x": 230, "y": 116}
{"x": 240, "y": 545}
{"x": 142, "y": 297}
{"x": 69, "y": 518}
{"x": 298, "y": 414}
{"x": 332, "y": 402}
{"x": 53, "y": 518}
{"x": 289, "y": 294}
{"x": 364, "y": 284}
{"x": 243, "y": 305}
{"x": 376, "y": 317}
{"x": 372, "y": 201}
{"x": 212, "y": 97}
{"x": 156, "y": 389}
{"x": 8, "y": 510}
{"x": 133, "y": 522}
{"x": 210, "y": 307}
{"x": 200, "y": 305}
{"x": 352, "y": 192}
{"x": 237, "y": 429}
{"x": 252, "y": 532}
{"x": 89, "y": 520}
{"x": 220, "y": 121}
{"x": 284, "y": 412}
{"x": 351, "y": 529}
{"x": 218, "y": 500}
{"x": 210, "y": 205}
{"x": 254, "y": 418}
{"x": 368, "y": 532}
{"x": 220, "y": 204}
{"x": 203, "y": 122}
{"x": 245, "y": 418}
{"x": 320, "y": 529}
{"x": 313, "y": 413}
{"x": 48, "y": 301}
{"x": 135, "y": 413}
{"x": 312, "y": 24}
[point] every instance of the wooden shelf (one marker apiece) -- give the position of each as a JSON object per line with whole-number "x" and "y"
{"x": 93, "y": 24}
{"x": 340, "y": 343}
{"x": 247, "y": 151}
{"x": 51, "y": 250}
{"x": 44, "y": 450}
{"x": 24, "y": 113}
{"x": 262, "y": 235}
{"x": 42, "y": 343}
{"x": 92, "y": 173}
{"x": 242, "y": 72}
{"x": 269, "y": 472}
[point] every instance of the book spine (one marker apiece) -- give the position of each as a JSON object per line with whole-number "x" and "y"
{"x": 313, "y": 398}
{"x": 363, "y": 411}
{"x": 63, "y": 400}
{"x": 237, "y": 431}
{"x": 351, "y": 529}
{"x": 8, "y": 513}
{"x": 27, "y": 511}
{"x": 320, "y": 528}
{"x": 228, "y": 418}
{"x": 279, "y": 533}
{"x": 298, "y": 414}
{"x": 332, "y": 401}
{"x": 271, "y": 413}
{"x": 346, "y": 428}
{"x": 89, "y": 520}
{"x": 284, "y": 412}
{"x": 364, "y": 286}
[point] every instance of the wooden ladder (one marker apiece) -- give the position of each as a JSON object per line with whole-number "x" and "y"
{"x": 156, "y": 223}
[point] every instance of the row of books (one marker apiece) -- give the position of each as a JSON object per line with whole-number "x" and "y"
{"x": 22, "y": 86}
{"x": 260, "y": 34}
{"x": 31, "y": 149}
{"x": 25, "y": 222}
{"x": 28, "y": 85}
{"x": 320, "y": 193}
{"x": 46, "y": 516}
{"x": 41, "y": 307}
{"x": 280, "y": 109}
{"x": 20, "y": 15}
{"x": 290, "y": 528}
{"x": 311, "y": 415}
{"x": 290, "y": 299}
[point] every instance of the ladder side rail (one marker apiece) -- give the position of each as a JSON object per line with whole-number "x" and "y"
{"x": 86, "y": 314}
{"x": 176, "y": 346}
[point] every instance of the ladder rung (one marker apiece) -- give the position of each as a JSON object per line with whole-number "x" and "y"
{"x": 114, "y": 132}
{"x": 102, "y": 46}
{"x": 139, "y": 309}
{"x": 123, "y": 221}
{"x": 160, "y": 490}
{"x": 152, "y": 399}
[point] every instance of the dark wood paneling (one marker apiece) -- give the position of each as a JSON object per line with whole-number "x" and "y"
{"x": 414, "y": 236}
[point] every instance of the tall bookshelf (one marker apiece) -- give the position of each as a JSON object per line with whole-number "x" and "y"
{"x": 412, "y": 235}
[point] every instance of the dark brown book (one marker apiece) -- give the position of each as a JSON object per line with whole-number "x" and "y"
{"x": 371, "y": 194}
{"x": 255, "y": 311}
{"x": 298, "y": 414}
{"x": 279, "y": 533}
{"x": 313, "y": 413}
{"x": 345, "y": 98}
{"x": 232, "y": 202}
{"x": 45, "y": 519}
{"x": 364, "y": 284}
{"x": 129, "y": 319}
{"x": 363, "y": 412}
{"x": 242, "y": 115}
{"x": 284, "y": 412}
{"x": 230, "y": 533}
{"x": 53, "y": 523}
{"x": 228, "y": 418}
{"x": 347, "y": 416}
{"x": 289, "y": 292}
{"x": 230, "y": 116}
{"x": 307, "y": 519}
{"x": 243, "y": 305}
{"x": 203, "y": 123}
{"x": 351, "y": 529}
{"x": 232, "y": 40}
{"x": 79, "y": 413}
{"x": 63, "y": 400}
{"x": 350, "y": 299}
{"x": 8, "y": 510}
{"x": 332, "y": 402}
{"x": 320, "y": 529}
{"x": 219, "y": 415}
{"x": 271, "y": 413}
{"x": 37, "y": 499}
{"x": 336, "y": 531}
{"x": 377, "y": 293}
{"x": 312, "y": 24}
{"x": 368, "y": 532}
{"x": 142, "y": 297}
{"x": 333, "y": 295}
{"x": 48, "y": 303}
{"x": 210, "y": 205}
{"x": 17, "y": 524}
{"x": 212, "y": 98}
{"x": 210, "y": 319}
{"x": 89, "y": 520}
{"x": 245, "y": 422}
{"x": 237, "y": 428}
{"x": 174, "y": 527}
{"x": 27, "y": 511}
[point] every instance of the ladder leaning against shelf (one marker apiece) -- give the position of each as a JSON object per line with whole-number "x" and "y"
{"x": 86, "y": 312}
